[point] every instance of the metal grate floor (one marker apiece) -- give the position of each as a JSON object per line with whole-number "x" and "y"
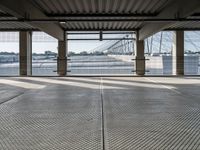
{"x": 100, "y": 113}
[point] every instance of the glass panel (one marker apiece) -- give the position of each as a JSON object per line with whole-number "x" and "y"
{"x": 44, "y": 56}
{"x": 192, "y": 53}
{"x": 9, "y": 53}
{"x": 107, "y": 57}
{"x": 158, "y": 52}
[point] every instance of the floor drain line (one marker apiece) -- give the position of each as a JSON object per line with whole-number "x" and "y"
{"x": 102, "y": 114}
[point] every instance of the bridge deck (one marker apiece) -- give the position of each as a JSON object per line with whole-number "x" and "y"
{"x": 99, "y": 113}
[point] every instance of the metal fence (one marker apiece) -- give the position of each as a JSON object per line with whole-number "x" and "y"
{"x": 44, "y": 68}
{"x": 104, "y": 65}
{"x": 100, "y": 65}
{"x": 9, "y": 65}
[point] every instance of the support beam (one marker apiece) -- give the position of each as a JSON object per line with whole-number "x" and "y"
{"x": 62, "y": 57}
{"x": 178, "y": 53}
{"x": 24, "y": 9}
{"x": 140, "y": 59}
{"x": 102, "y": 15}
{"x": 25, "y": 53}
{"x": 175, "y": 9}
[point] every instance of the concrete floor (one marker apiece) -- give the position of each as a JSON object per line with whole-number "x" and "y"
{"x": 110, "y": 113}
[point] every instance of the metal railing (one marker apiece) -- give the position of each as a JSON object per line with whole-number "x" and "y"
{"x": 105, "y": 65}
{"x": 100, "y": 65}
{"x": 44, "y": 68}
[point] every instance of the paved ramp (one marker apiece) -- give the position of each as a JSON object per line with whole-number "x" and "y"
{"x": 100, "y": 113}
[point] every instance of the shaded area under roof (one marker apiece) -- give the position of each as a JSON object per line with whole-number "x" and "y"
{"x": 97, "y": 9}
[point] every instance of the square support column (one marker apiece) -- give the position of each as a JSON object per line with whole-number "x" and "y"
{"x": 62, "y": 57}
{"x": 140, "y": 58}
{"x": 178, "y": 53}
{"x": 25, "y": 53}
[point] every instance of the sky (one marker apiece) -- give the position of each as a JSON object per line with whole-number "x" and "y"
{"x": 78, "y": 46}
{"x": 38, "y": 47}
{"x": 9, "y": 42}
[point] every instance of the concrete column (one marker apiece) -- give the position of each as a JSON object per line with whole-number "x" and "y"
{"x": 178, "y": 53}
{"x": 62, "y": 57}
{"x": 25, "y": 53}
{"x": 140, "y": 58}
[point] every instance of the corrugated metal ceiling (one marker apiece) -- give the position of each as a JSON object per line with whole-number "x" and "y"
{"x": 71, "y": 7}
{"x": 12, "y": 25}
{"x": 2, "y": 12}
{"x": 100, "y": 6}
{"x": 4, "y": 15}
{"x": 101, "y": 25}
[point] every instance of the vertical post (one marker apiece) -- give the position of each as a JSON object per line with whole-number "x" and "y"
{"x": 100, "y": 36}
{"x": 160, "y": 48}
{"x": 25, "y": 53}
{"x": 62, "y": 57}
{"x": 178, "y": 53}
{"x": 140, "y": 58}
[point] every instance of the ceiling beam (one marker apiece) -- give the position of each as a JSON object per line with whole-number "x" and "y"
{"x": 5, "y": 15}
{"x": 101, "y": 20}
{"x": 100, "y": 15}
{"x": 127, "y": 31}
{"x": 177, "y": 9}
{"x": 24, "y": 9}
{"x": 196, "y": 15}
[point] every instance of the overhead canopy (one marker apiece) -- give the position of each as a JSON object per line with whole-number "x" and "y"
{"x": 56, "y": 16}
